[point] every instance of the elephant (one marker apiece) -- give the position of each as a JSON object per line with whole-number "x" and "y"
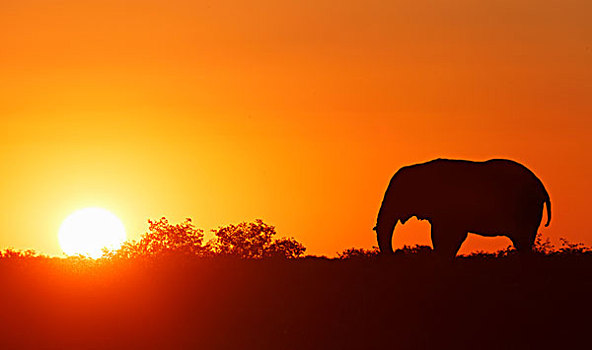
{"x": 497, "y": 197}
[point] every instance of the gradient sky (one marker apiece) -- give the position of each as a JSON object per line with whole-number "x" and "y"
{"x": 296, "y": 112}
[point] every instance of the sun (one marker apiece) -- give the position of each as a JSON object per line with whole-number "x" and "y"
{"x": 87, "y": 231}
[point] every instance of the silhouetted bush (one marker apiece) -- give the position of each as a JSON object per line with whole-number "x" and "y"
{"x": 163, "y": 238}
{"x": 358, "y": 253}
{"x": 245, "y": 240}
{"x": 288, "y": 248}
{"x": 414, "y": 250}
{"x": 568, "y": 248}
{"x": 252, "y": 240}
{"x": 18, "y": 254}
{"x": 502, "y": 253}
{"x": 543, "y": 246}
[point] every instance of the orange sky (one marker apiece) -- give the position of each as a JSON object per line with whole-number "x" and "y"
{"x": 296, "y": 112}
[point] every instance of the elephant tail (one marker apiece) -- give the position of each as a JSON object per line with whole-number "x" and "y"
{"x": 547, "y": 200}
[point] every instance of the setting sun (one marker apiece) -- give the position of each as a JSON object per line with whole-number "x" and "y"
{"x": 88, "y": 231}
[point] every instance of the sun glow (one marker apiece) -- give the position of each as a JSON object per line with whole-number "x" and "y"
{"x": 88, "y": 231}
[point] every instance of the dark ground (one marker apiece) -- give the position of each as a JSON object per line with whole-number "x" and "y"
{"x": 310, "y": 303}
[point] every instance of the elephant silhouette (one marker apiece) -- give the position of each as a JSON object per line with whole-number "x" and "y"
{"x": 498, "y": 197}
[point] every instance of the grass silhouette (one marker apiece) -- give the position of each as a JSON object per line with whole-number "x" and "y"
{"x": 357, "y": 300}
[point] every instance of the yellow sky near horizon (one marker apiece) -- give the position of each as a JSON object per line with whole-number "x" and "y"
{"x": 296, "y": 112}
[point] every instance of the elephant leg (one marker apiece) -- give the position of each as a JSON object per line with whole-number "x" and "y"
{"x": 523, "y": 240}
{"x": 447, "y": 240}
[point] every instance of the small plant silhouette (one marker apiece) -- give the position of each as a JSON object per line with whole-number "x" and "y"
{"x": 543, "y": 246}
{"x": 414, "y": 250}
{"x": 569, "y": 248}
{"x": 358, "y": 253}
{"x": 17, "y": 254}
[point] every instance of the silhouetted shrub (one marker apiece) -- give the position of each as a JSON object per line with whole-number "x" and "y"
{"x": 502, "y": 253}
{"x": 245, "y": 240}
{"x": 163, "y": 238}
{"x": 17, "y": 254}
{"x": 508, "y": 251}
{"x": 414, "y": 250}
{"x": 358, "y": 253}
{"x": 252, "y": 240}
{"x": 287, "y": 248}
{"x": 543, "y": 246}
{"x": 481, "y": 254}
{"x": 568, "y": 248}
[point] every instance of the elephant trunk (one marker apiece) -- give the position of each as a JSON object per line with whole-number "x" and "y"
{"x": 384, "y": 236}
{"x": 387, "y": 218}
